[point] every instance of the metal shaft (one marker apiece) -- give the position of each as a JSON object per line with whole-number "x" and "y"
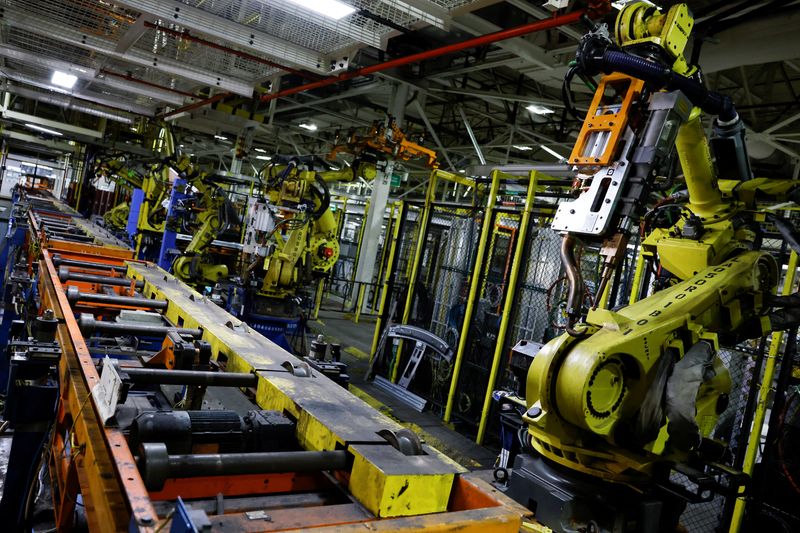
{"x": 154, "y": 376}
{"x": 156, "y": 465}
{"x": 88, "y": 325}
{"x": 60, "y": 261}
{"x": 68, "y": 236}
{"x": 65, "y": 274}
{"x": 74, "y": 295}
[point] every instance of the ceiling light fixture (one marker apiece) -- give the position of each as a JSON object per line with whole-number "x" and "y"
{"x": 523, "y": 148}
{"x": 260, "y": 150}
{"x": 43, "y": 130}
{"x": 62, "y": 79}
{"x": 308, "y": 126}
{"x": 330, "y": 8}
{"x": 221, "y": 137}
{"x": 264, "y": 157}
{"x": 537, "y": 109}
{"x": 552, "y": 152}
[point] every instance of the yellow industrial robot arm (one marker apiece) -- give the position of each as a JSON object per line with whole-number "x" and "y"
{"x": 625, "y": 391}
{"x": 311, "y": 247}
{"x": 117, "y": 170}
{"x": 214, "y": 215}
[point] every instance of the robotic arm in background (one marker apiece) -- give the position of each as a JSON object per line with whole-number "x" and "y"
{"x": 213, "y": 214}
{"x": 624, "y": 393}
{"x": 301, "y": 201}
{"x": 117, "y": 170}
{"x": 384, "y": 140}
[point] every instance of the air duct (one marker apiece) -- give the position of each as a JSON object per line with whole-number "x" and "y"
{"x": 68, "y": 103}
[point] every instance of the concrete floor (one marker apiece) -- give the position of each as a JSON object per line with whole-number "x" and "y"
{"x": 356, "y": 341}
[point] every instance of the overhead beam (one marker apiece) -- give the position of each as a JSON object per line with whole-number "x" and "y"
{"x": 133, "y": 34}
{"x": 233, "y": 32}
{"x": 540, "y": 14}
{"x": 424, "y": 10}
{"x": 85, "y": 73}
{"x": 471, "y": 135}
{"x": 33, "y": 139}
{"x": 52, "y": 124}
{"x": 476, "y": 25}
{"x": 434, "y": 136}
{"x": 351, "y": 93}
{"x": 341, "y": 26}
{"x": 500, "y": 96}
{"x": 45, "y": 84}
{"x": 138, "y": 57}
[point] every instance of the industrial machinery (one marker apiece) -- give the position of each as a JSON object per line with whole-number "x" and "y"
{"x": 108, "y": 412}
{"x": 629, "y": 398}
{"x": 200, "y": 207}
{"x": 384, "y": 140}
{"x": 117, "y": 170}
{"x": 290, "y": 242}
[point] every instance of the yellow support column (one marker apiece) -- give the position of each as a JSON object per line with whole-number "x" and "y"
{"x": 430, "y": 197}
{"x": 318, "y": 298}
{"x": 764, "y": 390}
{"x": 384, "y": 251}
{"x": 507, "y": 306}
{"x": 637, "y": 278}
{"x": 473, "y": 293}
{"x": 387, "y": 278}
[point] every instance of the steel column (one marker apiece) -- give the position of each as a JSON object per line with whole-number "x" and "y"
{"x": 764, "y": 393}
{"x": 508, "y": 306}
{"x": 473, "y": 293}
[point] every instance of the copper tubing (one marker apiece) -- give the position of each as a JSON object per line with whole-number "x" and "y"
{"x": 576, "y": 285}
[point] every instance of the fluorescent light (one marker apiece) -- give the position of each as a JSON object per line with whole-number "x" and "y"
{"x": 330, "y": 8}
{"x": 180, "y": 146}
{"x": 260, "y": 150}
{"x": 264, "y": 157}
{"x": 62, "y": 79}
{"x": 462, "y": 171}
{"x": 43, "y": 130}
{"x": 552, "y": 152}
{"x": 537, "y": 109}
{"x": 523, "y": 148}
{"x": 221, "y": 137}
{"x": 308, "y": 126}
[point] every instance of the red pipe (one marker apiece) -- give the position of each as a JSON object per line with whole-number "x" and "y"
{"x": 483, "y": 40}
{"x": 239, "y": 53}
{"x": 148, "y": 83}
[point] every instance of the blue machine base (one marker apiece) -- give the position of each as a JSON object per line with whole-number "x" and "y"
{"x": 276, "y": 329}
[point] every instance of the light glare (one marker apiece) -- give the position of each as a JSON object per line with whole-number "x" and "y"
{"x": 329, "y": 8}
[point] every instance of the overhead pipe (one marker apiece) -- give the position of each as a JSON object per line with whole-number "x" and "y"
{"x": 18, "y": 78}
{"x": 68, "y": 103}
{"x": 596, "y": 9}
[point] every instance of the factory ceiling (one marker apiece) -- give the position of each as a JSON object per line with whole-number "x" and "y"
{"x": 152, "y": 58}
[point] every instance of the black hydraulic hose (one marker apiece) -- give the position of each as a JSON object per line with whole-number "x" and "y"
{"x": 325, "y": 198}
{"x": 664, "y": 77}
